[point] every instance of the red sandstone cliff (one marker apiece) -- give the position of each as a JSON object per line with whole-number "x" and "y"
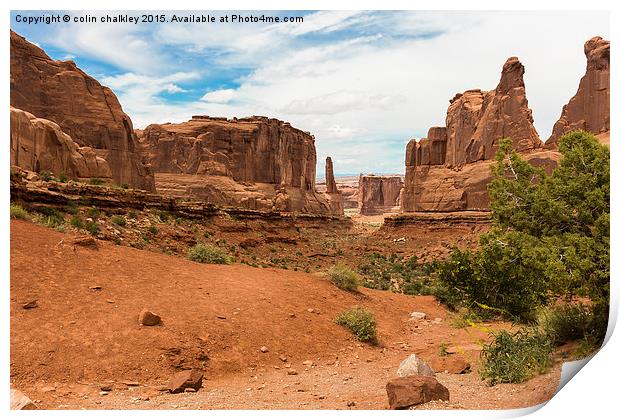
{"x": 258, "y": 163}
{"x": 86, "y": 111}
{"x": 589, "y": 108}
{"x": 450, "y": 168}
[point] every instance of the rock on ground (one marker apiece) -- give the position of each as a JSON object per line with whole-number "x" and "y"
{"x": 21, "y": 402}
{"x": 413, "y": 390}
{"x": 180, "y": 381}
{"x": 149, "y": 318}
{"x": 413, "y": 365}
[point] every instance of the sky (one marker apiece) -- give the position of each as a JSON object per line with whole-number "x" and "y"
{"x": 362, "y": 82}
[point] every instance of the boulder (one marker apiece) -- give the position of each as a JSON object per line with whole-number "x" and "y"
{"x": 180, "y": 381}
{"x": 589, "y": 108}
{"x": 149, "y": 318}
{"x": 413, "y": 390}
{"x": 21, "y": 402}
{"x": 451, "y": 364}
{"x": 413, "y": 365}
{"x": 87, "y": 112}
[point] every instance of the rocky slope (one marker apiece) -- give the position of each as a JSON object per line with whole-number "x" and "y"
{"x": 589, "y": 108}
{"x": 378, "y": 194}
{"x": 86, "y": 111}
{"x": 256, "y": 163}
{"x": 450, "y": 168}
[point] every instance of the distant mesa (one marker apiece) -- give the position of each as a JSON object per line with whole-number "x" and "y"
{"x": 379, "y": 194}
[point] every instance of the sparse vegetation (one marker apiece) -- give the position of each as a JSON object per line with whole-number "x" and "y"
{"x": 46, "y": 176}
{"x": 18, "y": 212}
{"x": 515, "y": 357}
{"x": 209, "y": 254}
{"x": 567, "y": 322}
{"x": 77, "y": 222}
{"x": 93, "y": 212}
{"x": 96, "y": 181}
{"x": 343, "y": 277}
{"x": 63, "y": 177}
{"x": 51, "y": 217}
{"x": 361, "y": 322}
{"x": 124, "y": 186}
{"x": 92, "y": 227}
{"x": 119, "y": 220}
{"x": 395, "y": 273}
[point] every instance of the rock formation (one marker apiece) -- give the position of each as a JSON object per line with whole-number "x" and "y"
{"x": 332, "y": 194}
{"x": 40, "y": 145}
{"x": 256, "y": 163}
{"x": 450, "y": 168}
{"x": 86, "y": 111}
{"x": 589, "y": 108}
{"x": 378, "y": 194}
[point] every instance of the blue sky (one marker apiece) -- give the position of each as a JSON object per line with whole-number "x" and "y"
{"x": 363, "y": 82}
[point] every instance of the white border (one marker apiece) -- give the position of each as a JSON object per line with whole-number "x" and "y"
{"x": 592, "y": 394}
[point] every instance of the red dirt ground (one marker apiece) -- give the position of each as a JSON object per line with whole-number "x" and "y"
{"x": 216, "y": 318}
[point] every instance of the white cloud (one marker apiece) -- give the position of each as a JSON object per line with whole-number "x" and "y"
{"x": 363, "y": 94}
{"x": 221, "y": 96}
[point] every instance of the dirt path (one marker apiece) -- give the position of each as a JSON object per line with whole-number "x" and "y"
{"x": 84, "y": 334}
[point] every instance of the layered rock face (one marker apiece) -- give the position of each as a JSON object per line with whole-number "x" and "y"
{"x": 378, "y": 194}
{"x": 83, "y": 109}
{"x": 40, "y": 145}
{"x": 589, "y": 108}
{"x": 450, "y": 168}
{"x": 257, "y": 163}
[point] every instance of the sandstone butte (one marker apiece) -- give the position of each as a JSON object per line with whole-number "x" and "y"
{"x": 256, "y": 163}
{"x": 450, "y": 168}
{"x": 65, "y": 122}
{"x": 379, "y": 194}
{"x": 86, "y": 134}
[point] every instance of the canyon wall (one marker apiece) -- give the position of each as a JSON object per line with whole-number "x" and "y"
{"x": 257, "y": 163}
{"x": 86, "y": 111}
{"x": 450, "y": 168}
{"x": 378, "y": 194}
{"x": 589, "y": 108}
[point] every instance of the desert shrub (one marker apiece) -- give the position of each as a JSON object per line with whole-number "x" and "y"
{"x": 209, "y": 254}
{"x": 92, "y": 227}
{"x": 46, "y": 176}
{"x": 515, "y": 357}
{"x": 124, "y": 186}
{"x": 395, "y": 273}
{"x": 77, "y": 221}
{"x": 343, "y": 277}
{"x": 93, "y": 212}
{"x": 119, "y": 220}
{"x": 550, "y": 235}
{"x": 133, "y": 214}
{"x": 71, "y": 208}
{"x": 96, "y": 181}
{"x": 18, "y": 212}
{"x": 361, "y": 322}
{"x": 567, "y": 322}
{"x": 51, "y": 217}
{"x": 63, "y": 177}
{"x": 153, "y": 229}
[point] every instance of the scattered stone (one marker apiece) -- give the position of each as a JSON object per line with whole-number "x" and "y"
{"x": 86, "y": 242}
{"x": 21, "y": 402}
{"x": 291, "y": 315}
{"x": 351, "y": 404}
{"x": 95, "y": 288}
{"x": 190, "y": 390}
{"x": 292, "y": 372}
{"x": 191, "y": 378}
{"x": 106, "y": 388}
{"x": 413, "y": 365}
{"x": 102, "y": 393}
{"x": 407, "y": 391}
{"x": 264, "y": 349}
{"x": 149, "y": 318}
{"x": 454, "y": 364}
{"x": 307, "y": 362}
{"x": 220, "y": 316}
{"x": 417, "y": 315}
{"x": 30, "y": 304}
{"x": 130, "y": 383}
{"x": 283, "y": 358}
